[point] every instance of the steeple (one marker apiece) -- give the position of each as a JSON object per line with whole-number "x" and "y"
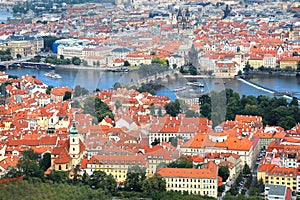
{"x": 73, "y": 130}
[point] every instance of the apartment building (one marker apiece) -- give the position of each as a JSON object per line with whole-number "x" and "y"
{"x": 202, "y": 181}
{"x": 117, "y": 166}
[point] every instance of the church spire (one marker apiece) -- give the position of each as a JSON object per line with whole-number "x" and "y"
{"x": 73, "y": 130}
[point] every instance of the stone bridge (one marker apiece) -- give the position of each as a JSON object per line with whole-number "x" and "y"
{"x": 160, "y": 78}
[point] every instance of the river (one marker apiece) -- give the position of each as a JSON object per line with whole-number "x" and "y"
{"x": 4, "y": 15}
{"x": 92, "y": 79}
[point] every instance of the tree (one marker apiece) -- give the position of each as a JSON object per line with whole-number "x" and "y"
{"x": 118, "y": 104}
{"x": 48, "y": 90}
{"x": 155, "y": 142}
{"x": 117, "y": 85}
{"x": 287, "y": 122}
{"x": 294, "y": 102}
{"x": 223, "y": 172}
{"x": 45, "y": 162}
{"x": 126, "y": 63}
{"x": 76, "y": 60}
{"x": 174, "y": 66}
{"x": 67, "y": 96}
{"x": 152, "y": 109}
{"x": 100, "y": 179}
{"x": 97, "y": 108}
{"x": 173, "y": 108}
{"x": 154, "y": 185}
{"x": 159, "y": 112}
{"x": 28, "y": 164}
{"x": 221, "y": 188}
{"x": 80, "y": 91}
{"x": 191, "y": 113}
{"x": 48, "y": 42}
{"x": 75, "y": 104}
{"x": 135, "y": 177}
{"x": 193, "y": 70}
{"x": 173, "y": 141}
{"x": 246, "y": 169}
{"x": 58, "y": 176}
{"x": 181, "y": 162}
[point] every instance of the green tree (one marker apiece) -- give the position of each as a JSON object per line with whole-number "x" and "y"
{"x": 223, "y": 172}
{"x": 48, "y": 42}
{"x": 159, "y": 112}
{"x": 58, "y": 176}
{"x": 67, "y": 96}
{"x": 173, "y": 108}
{"x": 28, "y": 164}
{"x": 246, "y": 169}
{"x": 135, "y": 177}
{"x": 181, "y": 162}
{"x": 76, "y": 60}
{"x": 45, "y": 162}
{"x": 80, "y": 91}
{"x": 117, "y": 85}
{"x": 48, "y": 90}
{"x": 126, "y": 63}
{"x": 287, "y": 122}
{"x": 118, "y": 104}
{"x": 154, "y": 185}
{"x": 100, "y": 179}
{"x": 173, "y": 141}
{"x": 75, "y": 104}
{"x": 294, "y": 102}
{"x": 155, "y": 142}
{"x": 191, "y": 113}
{"x": 97, "y": 108}
{"x": 193, "y": 70}
{"x": 152, "y": 109}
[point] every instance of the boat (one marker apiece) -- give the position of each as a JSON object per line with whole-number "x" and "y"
{"x": 52, "y": 75}
{"x": 56, "y": 76}
{"x": 181, "y": 88}
{"x": 120, "y": 69}
{"x": 197, "y": 84}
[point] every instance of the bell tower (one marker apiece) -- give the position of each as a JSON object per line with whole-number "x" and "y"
{"x": 74, "y": 139}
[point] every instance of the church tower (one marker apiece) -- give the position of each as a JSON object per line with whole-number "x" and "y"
{"x": 74, "y": 139}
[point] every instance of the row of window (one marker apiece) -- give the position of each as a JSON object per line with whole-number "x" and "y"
{"x": 191, "y": 186}
{"x": 191, "y": 180}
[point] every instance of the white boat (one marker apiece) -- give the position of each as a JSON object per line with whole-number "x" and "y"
{"x": 48, "y": 74}
{"x": 52, "y": 75}
{"x": 197, "y": 84}
{"x": 179, "y": 89}
{"x": 56, "y": 76}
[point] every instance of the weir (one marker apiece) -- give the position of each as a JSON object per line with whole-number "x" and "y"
{"x": 260, "y": 87}
{"x": 257, "y": 86}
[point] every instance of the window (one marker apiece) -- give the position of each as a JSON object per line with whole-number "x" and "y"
{"x": 59, "y": 167}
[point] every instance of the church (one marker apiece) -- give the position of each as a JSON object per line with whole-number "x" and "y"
{"x": 68, "y": 153}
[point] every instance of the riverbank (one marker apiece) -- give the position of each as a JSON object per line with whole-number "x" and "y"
{"x": 259, "y": 74}
{"x": 81, "y": 67}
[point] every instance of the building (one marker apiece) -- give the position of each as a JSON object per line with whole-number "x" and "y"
{"x": 116, "y": 165}
{"x": 57, "y": 94}
{"x": 69, "y": 153}
{"x": 226, "y": 69}
{"x": 222, "y": 141}
{"x": 277, "y": 192}
{"x": 202, "y": 181}
{"x": 290, "y": 62}
{"x": 272, "y": 174}
{"x": 164, "y": 128}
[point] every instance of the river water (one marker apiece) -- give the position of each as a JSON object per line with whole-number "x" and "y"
{"x": 92, "y": 79}
{"x": 4, "y": 14}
